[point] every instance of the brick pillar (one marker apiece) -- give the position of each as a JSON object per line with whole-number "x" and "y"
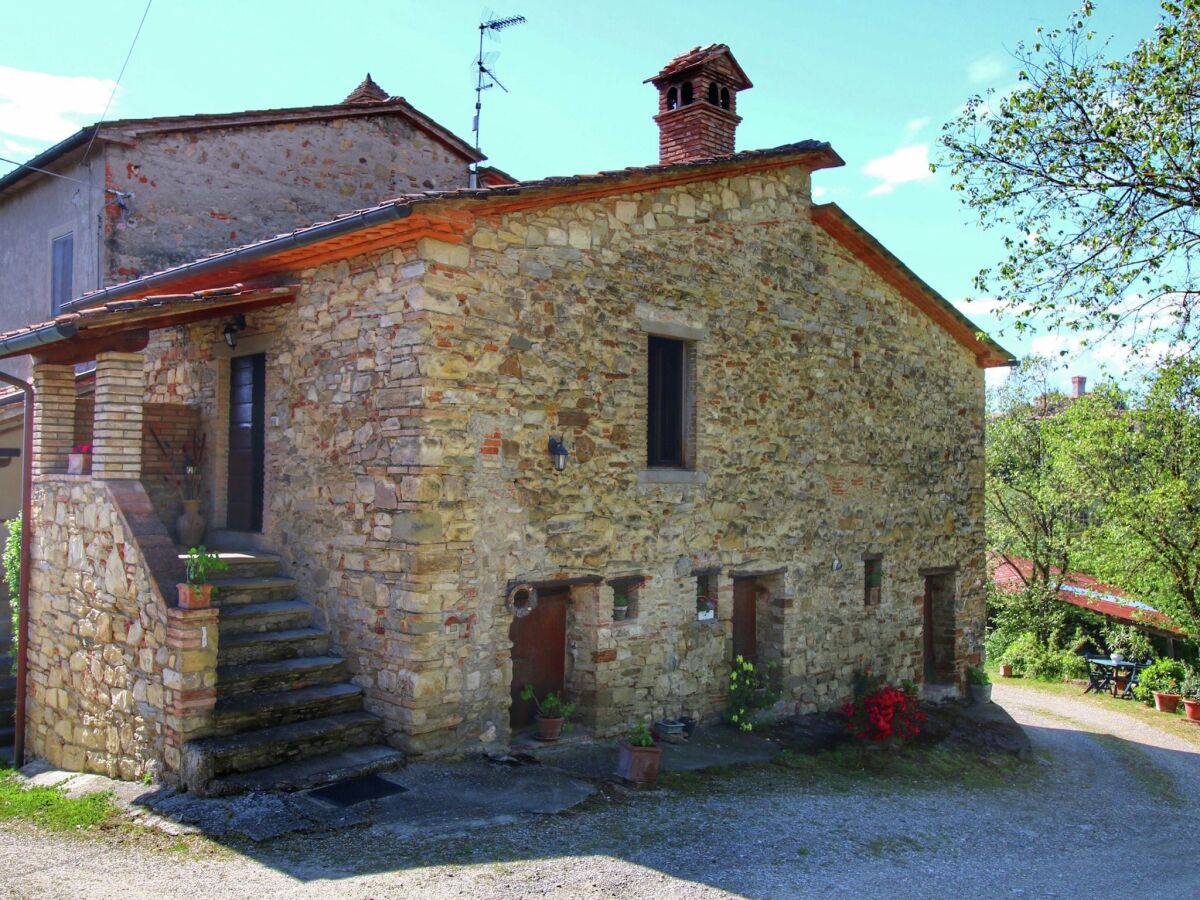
{"x": 189, "y": 688}
{"x": 117, "y": 435}
{"x": 53, "y": 417}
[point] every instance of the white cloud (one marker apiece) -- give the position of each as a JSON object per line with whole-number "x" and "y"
{"x": 819, "y": 192}
{"x": 913, "y": 126}
{"x": 899, "y": 167}
{"x": 42, "y": 107}
{"x": 987, "y": 69}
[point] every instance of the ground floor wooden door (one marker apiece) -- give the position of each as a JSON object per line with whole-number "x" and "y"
{"x": 539, "y": 653}
{"x": 938, "y": 628}
{"x": 745, "y": 618}
{"x": 247, "y": 442}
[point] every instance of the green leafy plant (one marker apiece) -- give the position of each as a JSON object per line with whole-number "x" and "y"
{"x": 751, "y": 688}
{"x": 640, "y": 736}
{"x": 552, "y": 706}
{"x": 1130, "y": 642}
{"x": 1163, "y": 675}
{"x": 620, "y": 599}
{"x": 976, "y": 675}
{"x": 202, "y": 565}
{"x": 1190, "y": 688}
{"x": 12, "y": 573}
{"x": 1031, "y": 659}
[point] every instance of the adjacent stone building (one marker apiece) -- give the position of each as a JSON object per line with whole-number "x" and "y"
{"x": 454, "y": 428}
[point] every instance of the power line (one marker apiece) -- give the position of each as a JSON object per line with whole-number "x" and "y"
{"x": 21, "y": 165}
{"x": 120, "y": 75}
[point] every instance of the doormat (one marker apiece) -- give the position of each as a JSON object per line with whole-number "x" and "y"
{"x": 357, "y": 790}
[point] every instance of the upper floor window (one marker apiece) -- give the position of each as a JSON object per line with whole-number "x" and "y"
{"x": 669, "y": 419}
{"x": 872, "y": 579}
{"x": 685, "y": 93}
{"x": 62, "y": 259}
{"x": 713, "y": 95}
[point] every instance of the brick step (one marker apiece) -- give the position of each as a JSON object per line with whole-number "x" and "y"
{"x": 275, "y": 615}
{"x": 8, "y": 688}
{"x": 208, "y": 758}
{"x": 253, "y": 589}
{"x": 268, "y": 645}
{"x": 312, "y": 772}
{"x": 246, "y": 564}
{"x": 279, "y": 675}
{"x": 260, "y": 710}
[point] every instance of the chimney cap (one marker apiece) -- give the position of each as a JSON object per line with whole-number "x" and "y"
{"x": 367, "y": 92}
{"x": 694, "y": 59}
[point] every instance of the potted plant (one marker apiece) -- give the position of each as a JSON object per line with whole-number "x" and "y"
{"x": 1161, "y": 681}
{"x": 552, "y": 714}
{"x": 79, "y": 460}
{"x": 639, "y": 756}
{"x": 706, "y": 609}
{"x": 1006, "y": 670}
{"x": 979, "y": 684}
{"x": 620, "y": 606}
{"x": 196, "y": 592}
{"x": 1191, "y": 697}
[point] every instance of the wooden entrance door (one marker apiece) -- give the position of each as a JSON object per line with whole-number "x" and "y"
{"x": 247, "y": 441}
{"x": 938, "y": 628}
{"x": 745, "y": 618}
{"x": 539, "y": 653}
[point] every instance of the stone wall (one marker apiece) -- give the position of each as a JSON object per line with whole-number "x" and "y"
{"x": 98, "y": 636}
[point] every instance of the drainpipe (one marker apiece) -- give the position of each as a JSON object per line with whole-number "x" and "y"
{"x": 23, "y": 590}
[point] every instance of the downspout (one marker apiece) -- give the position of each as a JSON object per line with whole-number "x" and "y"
{"x": 23, "y": 589}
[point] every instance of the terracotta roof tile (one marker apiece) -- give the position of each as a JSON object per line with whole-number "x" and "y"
{"x": 367, "y": 92}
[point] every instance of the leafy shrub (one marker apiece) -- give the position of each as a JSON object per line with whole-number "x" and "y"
{"x": 1131, "y": 642}
{"x": 1030, "y": 659}
{"x": 750, "y": 688}
{"x": 881, "y": 712}
{"x": 976, "y": 675}
{"x": 1164, "y": 675}
{"x": 1191, "y": 687}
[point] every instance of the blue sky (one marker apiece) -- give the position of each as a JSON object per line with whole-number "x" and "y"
{"x": 875, "y": 79}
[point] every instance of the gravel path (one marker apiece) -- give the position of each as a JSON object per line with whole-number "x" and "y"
{"x": 1106, "y": 808}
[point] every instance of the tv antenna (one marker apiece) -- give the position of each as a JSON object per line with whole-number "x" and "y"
{"x": 485, "y": 77}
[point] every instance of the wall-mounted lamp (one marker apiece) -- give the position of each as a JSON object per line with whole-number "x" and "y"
{"x": 231, "y": 329}
{"x": 837, "y": 564}
{"x": 559, "y": 451}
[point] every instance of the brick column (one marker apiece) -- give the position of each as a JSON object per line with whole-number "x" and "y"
{"x": 53, "y": 417}
{"x": 117, "y": 435}
{"x": 189, "y": 688}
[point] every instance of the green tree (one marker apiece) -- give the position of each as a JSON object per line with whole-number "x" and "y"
{"x": 1137, "y": 460}
{"x": 1090, "y": 169}
{"x": 1032, "y": 510}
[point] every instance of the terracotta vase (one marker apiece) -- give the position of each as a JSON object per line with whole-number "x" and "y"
{"x": 1006, "y": 670}
{"x": 548, "y": 729}
{"x": 79, "y": 463}
{"x": 195, "y": 596}
{"x": 1191, "y": 709}
{"x": 639, "y": 765}
{"x": 1167, "y": 703}
{"x": 190, "y": 524}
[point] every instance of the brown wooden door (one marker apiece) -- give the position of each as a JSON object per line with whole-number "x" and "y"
{"x": 539, "y": 653}
{"x": 927, "y": 632}
{"x": 745, "y": 618}
{"x": 247, "y": 439}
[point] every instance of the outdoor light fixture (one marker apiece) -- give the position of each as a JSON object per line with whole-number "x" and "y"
{"x": 559, "y": 451}
{"x": 229, "y": 332}
{"x": 837, "y": 564}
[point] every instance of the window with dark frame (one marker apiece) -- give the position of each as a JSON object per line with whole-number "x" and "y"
{"x": 872, "y": 579}
{"x": 62, "y": 260}
{"x": 706, "y": 594}
{"x": 666, "y": 418}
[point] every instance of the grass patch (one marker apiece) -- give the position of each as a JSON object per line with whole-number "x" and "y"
{"x": 893, "y": 845}
{"x": 50, "y": 808}
{"x": 1141, "y": 767}
{"x": 903, "y": 767}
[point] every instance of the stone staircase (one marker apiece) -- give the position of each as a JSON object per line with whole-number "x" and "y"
{"x": 286, "y": 717}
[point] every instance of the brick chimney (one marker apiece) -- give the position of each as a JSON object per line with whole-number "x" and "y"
{"x": 1078, "y": 386}
{"x": 697, "y": 104}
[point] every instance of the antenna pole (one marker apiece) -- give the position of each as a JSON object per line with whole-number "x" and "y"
{"x": 494, "y": 24}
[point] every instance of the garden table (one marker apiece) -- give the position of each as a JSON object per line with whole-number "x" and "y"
{"x": 1104, "y": 672}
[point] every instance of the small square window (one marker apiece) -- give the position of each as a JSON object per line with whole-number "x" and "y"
{"x": 706, "y": 596}
{"x": 62, "y": 263}
{"x": 625, "y": 596}
{"x": 872, "y": 579}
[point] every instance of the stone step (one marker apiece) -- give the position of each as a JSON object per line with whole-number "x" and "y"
{"x": 8, "y": 734}
{"x": 260, "y": 710}
{"x": 275, "y": 615}
{"x": 263, "y": 646}
{"x": 247, "y": 564}
{"x": 8, "y": 712}
{"x": 253, "y": 589}
{"x": 312, "y": 772}
{"x": 8, "y": 688}
{"x": 211, "y": 757}
{"x": 279, "y": 675}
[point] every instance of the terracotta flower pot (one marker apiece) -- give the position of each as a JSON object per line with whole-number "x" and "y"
{"x": 1191, "y": 709}
{"x": 79, "y": 463}
{"x": 548, "y": 729}
{"x": 620, "y": 612}
{"x": 639, "y": 765}
{"x": 195, "y": 596}
{"x": 1006, "y": 670}
{"x": 1167, "y": 703}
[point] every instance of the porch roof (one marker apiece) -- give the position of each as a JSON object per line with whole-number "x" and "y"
{"x": 78, "y": 335}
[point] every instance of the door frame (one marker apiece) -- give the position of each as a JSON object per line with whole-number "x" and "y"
{"x": 557, "y": 595}
{"x": 258, "y": 445}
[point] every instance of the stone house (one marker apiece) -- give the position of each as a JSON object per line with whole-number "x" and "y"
{"x": 448, "y": 431}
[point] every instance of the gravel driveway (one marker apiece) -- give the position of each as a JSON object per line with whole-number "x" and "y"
{"x": 1107, "y": 808}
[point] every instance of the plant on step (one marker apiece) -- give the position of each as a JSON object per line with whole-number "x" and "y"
{"x": 880, "y": 711}
{"x": 751, "y": 688}
{"x": 976, "y": 675}
{"x": 1164, "y": 675}
{"x": 552, "y": 706}
{"x": 640, "y": 736}
{"x": 202, "y": 565}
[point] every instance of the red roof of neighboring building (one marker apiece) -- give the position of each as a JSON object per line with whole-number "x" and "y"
{"x": 1013, "y": 572}
{"x": 697, "y": 57}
